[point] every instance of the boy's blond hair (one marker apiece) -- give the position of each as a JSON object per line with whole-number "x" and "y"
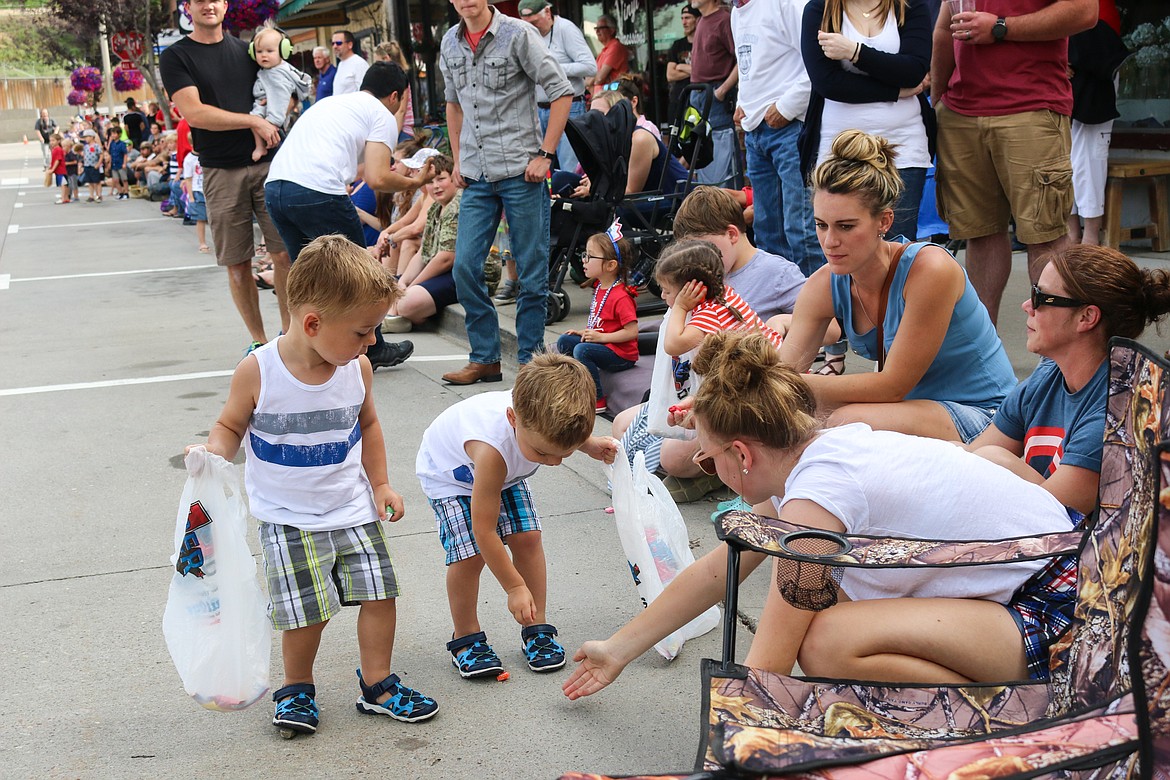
{"x": 332, "y": 275}
{"x": 708, "y": 211}
{"x": 554, "y": 397}
{"x": 265, "y": 31}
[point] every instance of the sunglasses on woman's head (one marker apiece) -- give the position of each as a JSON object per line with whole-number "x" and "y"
{"x": 1040, "y": 298}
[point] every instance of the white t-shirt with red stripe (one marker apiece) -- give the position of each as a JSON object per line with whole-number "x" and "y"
{"x": 711, "y": 316}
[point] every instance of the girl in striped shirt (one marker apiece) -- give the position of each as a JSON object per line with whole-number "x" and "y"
{"x": 690, "y": 273}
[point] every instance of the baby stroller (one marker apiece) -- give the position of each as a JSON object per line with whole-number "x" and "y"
{"x": 602, "y": 144}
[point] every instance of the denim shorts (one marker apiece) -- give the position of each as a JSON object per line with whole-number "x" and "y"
{"x": 197, "y": 207}
{"x": 970, "y": 421}
{"x": 453, "y": 514}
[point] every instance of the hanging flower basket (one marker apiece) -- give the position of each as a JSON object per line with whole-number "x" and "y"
{"x": 86, "y": 78}
{"x": 78, "y": 97}
{"x": 249, "y": 14}
{"x": 127, "y": 80}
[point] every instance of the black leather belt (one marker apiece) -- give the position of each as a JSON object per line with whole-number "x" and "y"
{"x": 546, "y": 106}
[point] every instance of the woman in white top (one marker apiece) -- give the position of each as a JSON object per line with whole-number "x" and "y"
{"x": 756, "y": 428}
{"x": 867, "y": 61}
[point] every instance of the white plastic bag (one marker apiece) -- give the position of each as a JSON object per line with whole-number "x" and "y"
{"x": 666, "y": 392}
{"x": 216, "y": 622}
{"x": 654, "y": 538}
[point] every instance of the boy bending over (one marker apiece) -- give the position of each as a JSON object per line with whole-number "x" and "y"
{"x": 316, "y": 478}
{"x": 473, "y": 465}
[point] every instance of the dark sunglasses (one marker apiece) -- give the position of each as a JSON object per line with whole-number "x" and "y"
{"x": 1048, "y": 299}
{"x": 339, "y": 43}
{"x": 602, "y": 27}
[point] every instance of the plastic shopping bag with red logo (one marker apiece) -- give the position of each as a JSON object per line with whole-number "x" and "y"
{"x": 216, "y": 624}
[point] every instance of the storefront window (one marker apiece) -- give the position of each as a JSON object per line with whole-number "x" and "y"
{"x": 1143, "y": 95}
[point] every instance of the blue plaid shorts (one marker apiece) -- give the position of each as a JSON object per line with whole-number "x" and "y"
{"x": 312, "y": 574}
{"x": 1043, "y": 607}
{"x": 453, "y": 513}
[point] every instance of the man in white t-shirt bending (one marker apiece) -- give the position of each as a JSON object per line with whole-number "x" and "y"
{"x": 306, "y": 190}
{"x": 351, "y": 66}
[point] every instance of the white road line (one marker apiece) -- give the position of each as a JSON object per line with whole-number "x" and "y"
{"x": 13, "y": 229}
{"x": 83, "y": 224}
{"x": 20, "y": 193}
{"x": 111, "y": 273}
{"x": 4, "y": 279}
{"x": 149, "y": 380}
{"x": 146, "y": 380}
{"x": 19, "y": 180}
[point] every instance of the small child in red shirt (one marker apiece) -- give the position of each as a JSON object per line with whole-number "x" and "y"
{"x": 57, "y": 166}
{"x": 690, "y": 273}
{"x": 610, "y": 338}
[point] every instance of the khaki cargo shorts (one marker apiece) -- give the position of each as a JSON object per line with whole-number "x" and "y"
{"x": 993, "y": 168}
{"x": 233, "y": 195}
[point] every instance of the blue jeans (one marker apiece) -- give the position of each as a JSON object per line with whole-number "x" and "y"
{"x": 526, "y": 205}
{"x": 566, "y": 157}
{"x": 784, "y": 217}
{"x": 301, "y": 215}
{"x": 906, "y": 212}
{"x": 595, "y": 357}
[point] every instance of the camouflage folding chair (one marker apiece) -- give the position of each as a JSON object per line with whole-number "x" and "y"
{"x": 1104, "y": 714}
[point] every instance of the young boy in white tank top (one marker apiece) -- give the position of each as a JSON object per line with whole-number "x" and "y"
{"x": 316, "y": 478}
{"x": 474, "y": 465}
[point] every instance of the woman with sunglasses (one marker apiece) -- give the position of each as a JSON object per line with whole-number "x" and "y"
{"x": 757, "y": 429}
{"x": 942, "y": 370}
{"x": 1050, "y": 428}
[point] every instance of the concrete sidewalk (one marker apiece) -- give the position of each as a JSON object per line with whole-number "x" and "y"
{"x": 118, "y": 342}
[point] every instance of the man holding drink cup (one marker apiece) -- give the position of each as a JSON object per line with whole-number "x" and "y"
{"x": 1000, "y": 88}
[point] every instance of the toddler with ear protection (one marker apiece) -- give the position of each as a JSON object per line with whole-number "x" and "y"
{"x": 277, "y": 83}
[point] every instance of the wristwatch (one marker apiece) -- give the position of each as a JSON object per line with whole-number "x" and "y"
{"x": 545, "y": 155}
{"x": 999, "y": 29}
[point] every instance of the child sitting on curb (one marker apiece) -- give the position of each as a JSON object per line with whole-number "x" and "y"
{"x": 316, "y": 478}
{"x": 474, "y": 465}
{"x": 610, "y": 338}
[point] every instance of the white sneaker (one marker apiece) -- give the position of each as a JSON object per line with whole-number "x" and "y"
{"x": 396, "y": 324}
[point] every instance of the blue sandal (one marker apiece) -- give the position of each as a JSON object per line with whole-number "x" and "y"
{"x": 473, "y": 656}
{"x": 405, "y": 704}
{"x": 544, "y": 654}
{"x": 296, "y": 708}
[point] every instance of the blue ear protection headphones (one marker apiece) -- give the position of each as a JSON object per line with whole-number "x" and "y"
{"x": 286, "y": 46}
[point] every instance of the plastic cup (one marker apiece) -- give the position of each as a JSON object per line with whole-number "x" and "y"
{"x": 961, "y": 6}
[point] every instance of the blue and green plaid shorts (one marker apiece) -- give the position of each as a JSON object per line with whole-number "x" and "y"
{"x": 1043, "y": 607}
{"x": 312, "y": 574}
{"x": 453, "y": 513}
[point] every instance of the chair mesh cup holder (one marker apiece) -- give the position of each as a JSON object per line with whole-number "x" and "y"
{"x": 805, "y": 575}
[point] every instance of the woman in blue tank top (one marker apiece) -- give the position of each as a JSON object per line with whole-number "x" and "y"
{"x": 942, "y": 368}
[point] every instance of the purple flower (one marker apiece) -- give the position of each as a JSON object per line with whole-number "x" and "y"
{"x": 127, "y": 80}
{"x": 86, "y": 78}
{"x": 78, "y": 97}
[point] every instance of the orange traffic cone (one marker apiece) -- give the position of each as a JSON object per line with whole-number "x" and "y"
{"x": 26, "y": 138}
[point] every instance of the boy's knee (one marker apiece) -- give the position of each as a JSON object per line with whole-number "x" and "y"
{"x": 524, "y": 541}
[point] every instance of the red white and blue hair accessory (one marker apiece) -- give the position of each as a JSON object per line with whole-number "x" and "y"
{"x": 614, "y": 234}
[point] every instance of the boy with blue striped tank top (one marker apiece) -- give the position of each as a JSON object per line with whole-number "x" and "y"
{"x": 316, "y": 478}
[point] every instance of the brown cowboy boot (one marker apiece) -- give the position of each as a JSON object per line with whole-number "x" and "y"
{"x": 474, "y": 372}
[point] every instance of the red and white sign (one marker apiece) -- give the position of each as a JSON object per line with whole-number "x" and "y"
{"x": 127, "y": 44}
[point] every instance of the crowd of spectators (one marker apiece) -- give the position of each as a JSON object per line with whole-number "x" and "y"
{"x": 843, "y": 106}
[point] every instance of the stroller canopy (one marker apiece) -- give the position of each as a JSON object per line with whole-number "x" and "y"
{"x": 602, "y": 144}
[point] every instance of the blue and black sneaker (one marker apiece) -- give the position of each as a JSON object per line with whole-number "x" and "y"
{"x": 296, "y": 709}
{"x": 473, "y": 656}
{"x": 405, "y": 704}
{"x": 544, "y": 653}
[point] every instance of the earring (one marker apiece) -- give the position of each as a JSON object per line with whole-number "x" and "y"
{"x": 745, "y": 471}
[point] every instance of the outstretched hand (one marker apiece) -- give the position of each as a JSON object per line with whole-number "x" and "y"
{"x": 598, "y": 668}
